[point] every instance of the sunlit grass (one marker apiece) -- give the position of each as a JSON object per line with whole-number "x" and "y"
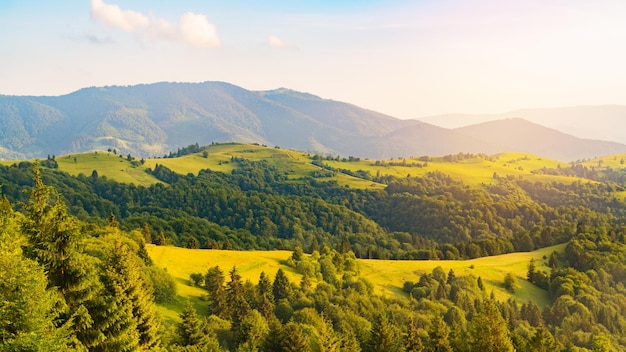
{"x": 387, "y": 276}
{"x": 112, "y": 166}
{"x": 297, "y": 165}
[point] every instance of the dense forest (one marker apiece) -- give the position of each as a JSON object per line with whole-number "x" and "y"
{"x": 67, "y": 284}
{"x": 258, "y": 207}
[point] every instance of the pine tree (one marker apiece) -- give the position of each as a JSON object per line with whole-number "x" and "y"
{"x": 53, "y": 241}
{"x": 27, "y": 307}
{"x": 438, "y": 335}
{"x": 488, "y": 330}
{"x": 192, "y": 330}
{"x": 542, "y": 341}
{"x": 236, "y": 300}
{"x": 214, "y": 283}
{"x": 282, "y": 287}
{"x": 328, "y": 339}
{"x": 124, "y": 279}
{"x": 413, "y": 342}
{"x": 382, "y": 336}
{"x": 265, "y": 300}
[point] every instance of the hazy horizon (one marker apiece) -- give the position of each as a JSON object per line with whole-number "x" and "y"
{"x": 403, "y": 58}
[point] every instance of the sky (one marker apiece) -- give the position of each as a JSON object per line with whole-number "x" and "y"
{"x": 403, "y": 58}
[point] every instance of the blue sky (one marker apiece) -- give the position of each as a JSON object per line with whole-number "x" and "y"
{"x": 404, "y": 58}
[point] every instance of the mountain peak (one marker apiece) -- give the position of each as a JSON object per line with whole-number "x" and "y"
{"x": 150, "y": 120}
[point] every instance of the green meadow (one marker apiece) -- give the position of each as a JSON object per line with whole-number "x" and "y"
{"x": 296, "y": 165}
{"x": 387, "y": 276}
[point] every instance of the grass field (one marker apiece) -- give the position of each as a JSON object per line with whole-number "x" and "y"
{"x": 473, "y": 171}
{"x": 387, "y": 276}
{"x": 297, "y": 165}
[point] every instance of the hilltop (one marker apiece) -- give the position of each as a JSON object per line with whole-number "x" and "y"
{"x": 151, "y": 120}
{"x": 472, "y": 169}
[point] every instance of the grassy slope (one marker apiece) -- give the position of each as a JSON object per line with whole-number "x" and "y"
{"x": 297, "y": 165}
{"x": 472, "y": 171}
{"x": 387, "y": 276}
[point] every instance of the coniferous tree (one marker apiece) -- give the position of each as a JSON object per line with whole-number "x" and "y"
{"x": 235, "y": 299}
{"x": 293, "y": 338}
{"x": 438, "y": 335}
{"x": 192, "y": 329}
{"x": 265, "y": 300}
{"x": 488, "y": 331}
{"x": 542, "y": 341}
{"x": 27, "y": 306}
{"x": 413, "y": 341}
{"x": 125, "y": 280}
{"x": 328, "y": 339}
{"x": 53, "y": 241}
{"x": 282, "y": 287}
{"x": 214, "y": 283}
{"x": 383, "y": 337}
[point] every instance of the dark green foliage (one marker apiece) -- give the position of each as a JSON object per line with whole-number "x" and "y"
{"x": 438, "y": 335}
{"x": 281, "y": 287}
{"x": 192, "y": 331}
{"x": 53, "y": 241}
{"x": 27, "y": 307}
{"x": 163, "y": 285}
{"x": 383, "y": 336}
{"x": 214, "y": 283}
{"x": 265, "y": 298}
{"x": 196, "y": 278}
{"x": 510, "y": 282}
{"x": 237, "y": 303}
{"x": 413, "y": 341}
{"x": 125, "y": 281}
{"x": 488, "y": 331}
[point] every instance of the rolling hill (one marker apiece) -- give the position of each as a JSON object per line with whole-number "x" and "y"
{"x": 516, "y": 133}
{"x": 592, "y": 122}
{"x": 387, "y": 276}
{"x": 153, "y": 119}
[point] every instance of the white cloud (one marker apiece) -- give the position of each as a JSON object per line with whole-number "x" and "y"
{"x": 276, "y": 42}
{"x": 113, "y": 16}
{"x": 192, "y": 29}
{"x": 196, "y": 30}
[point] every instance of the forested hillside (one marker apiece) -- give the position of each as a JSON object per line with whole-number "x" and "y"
{"x": 93, "y": 287}
{"x": 257, "y": 205}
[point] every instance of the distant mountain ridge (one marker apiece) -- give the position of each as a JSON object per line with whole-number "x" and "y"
{"x": 592, "y": 122}
{"x": 153, "y": 119}
{"x": 517, "y": 134}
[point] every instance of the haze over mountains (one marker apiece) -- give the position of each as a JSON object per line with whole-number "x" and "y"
{"x": 154, "y": 119}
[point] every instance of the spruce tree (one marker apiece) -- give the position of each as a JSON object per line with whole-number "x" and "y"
{"x": 236, "y": 300}
{"x": 27, "y": 306}
{"x": 488, "y": 330}
{"x": 282, "y": 287}
{"x": 265, "y": 300}
{"x": 293, "y": 339}
{"x": 214, "y": 283}
{"x": 438, "y": 335}
{"x": 53, "y": 239}
{"x": 413, "y": 341}
{"x": 192, "y": 329}
{"x": 382, "y": 336}
{"x": 125, "y": 279}
{"x": 328, "y": 339}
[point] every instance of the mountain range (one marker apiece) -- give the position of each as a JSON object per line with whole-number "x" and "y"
{"x": 153, "y": 119}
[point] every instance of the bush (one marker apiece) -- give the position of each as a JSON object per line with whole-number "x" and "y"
{"x": 164, "y": 285}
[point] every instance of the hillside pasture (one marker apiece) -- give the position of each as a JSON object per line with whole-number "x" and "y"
{"x": 387, "y": 276}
